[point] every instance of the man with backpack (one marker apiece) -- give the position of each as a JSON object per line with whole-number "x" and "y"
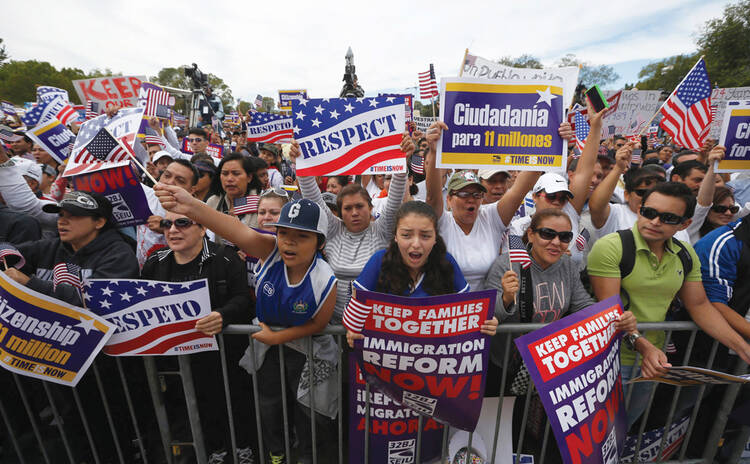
{"x": 648, "y": 268}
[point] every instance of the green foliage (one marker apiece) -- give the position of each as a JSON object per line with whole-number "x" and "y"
{"x": 175, "y": 77}
{"x": 3, "y": 53}
{"x": 523, "y": 61}
{"x": 19, "y": 79}
{"x": 590, "y": 74}
{"x": 665, "y": 74}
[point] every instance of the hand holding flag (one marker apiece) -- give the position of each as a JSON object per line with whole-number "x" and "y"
{"x": 11, "y": 257}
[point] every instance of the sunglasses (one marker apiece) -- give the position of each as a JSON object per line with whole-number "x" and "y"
{"x": 464, "y": 195}
{"x": 562, "y": 197}
{"x": 734, "y": 209}
{"x": 276, "y": 191}
{"x": 665, "y": 218}
{"x": 180, "y": 223}
{"x": 550, "y": 234}
{"x": 197, "y": 139}
{"x": 640, "y": 192}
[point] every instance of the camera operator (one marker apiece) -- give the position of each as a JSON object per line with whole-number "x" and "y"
{"x": 210, "y": 105}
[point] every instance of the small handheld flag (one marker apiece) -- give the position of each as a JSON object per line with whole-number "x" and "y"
{"x": 67, "y": 273}
{"x": 246, "y": 205}
{"x": 427, "y": 84}
{"x": 582, "y": 239}
{"x": 517, "y": 251}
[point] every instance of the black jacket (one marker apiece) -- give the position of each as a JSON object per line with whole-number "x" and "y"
{"x": 107, "y": 256}
{"x": 225, "y": 272}
{"x": 18, "y": 227}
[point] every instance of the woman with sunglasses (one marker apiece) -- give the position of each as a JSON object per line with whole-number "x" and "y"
{"x": 354, "y": 236}
{"x": 191, "y": 256}
{"x": 723, "y": 210}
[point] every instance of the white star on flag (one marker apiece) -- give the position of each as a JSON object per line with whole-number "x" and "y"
{"x": 374, "y": 103}
{"x": 105, "y": 304}
{"x": 348, "y": 107}
{"x": 546, "y": 96}
{"x": 106, "y": 291}
{"x": 166, "y": 289}
{"x": 300, "y": 116}
{"x": 141, "y": 291}
{"x": 335, "y": 114}
{"x": 315, "y": 122}
{"x": 86, "y": 324}
{"x": 318, "y": 109}
{"x": 125, "y": 296}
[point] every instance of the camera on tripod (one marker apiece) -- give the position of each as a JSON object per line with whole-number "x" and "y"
{"x": 200, "y": 79}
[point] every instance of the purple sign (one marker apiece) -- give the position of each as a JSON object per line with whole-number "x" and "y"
{"x": 575, "y": 366}
{"x": 392, "y": 436}
{"x": 735, "y": 136}
{"x": 498, "y": 124}
{"x": 121, "y": 187}
{"x": 428, "y": 353}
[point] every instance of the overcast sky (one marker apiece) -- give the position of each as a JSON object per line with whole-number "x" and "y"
{"x": 262, "y": 46}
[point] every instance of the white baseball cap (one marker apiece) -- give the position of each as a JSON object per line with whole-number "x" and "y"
{"x": 161, "y": 154}
{"x": 487, "y": 173}
{"x": 551, "y": 182}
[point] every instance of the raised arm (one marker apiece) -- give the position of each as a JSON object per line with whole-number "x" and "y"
{"x": 387, "y": 221}
{"x": 509, "y": 203}
{"x": 599, "y": 201}
{"x": 178, "y": 200}
{"x": 706, "y": 191}
{"x": 433, "y": 175}
{"x": 585, "y": 168}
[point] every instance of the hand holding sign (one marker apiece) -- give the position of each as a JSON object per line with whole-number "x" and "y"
{"x": 654, "y": 360}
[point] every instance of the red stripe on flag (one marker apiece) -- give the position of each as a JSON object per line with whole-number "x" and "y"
{"x": 148, "y": 337}
{"x": 354, "y": 153}
{"x": 172, "y": 342}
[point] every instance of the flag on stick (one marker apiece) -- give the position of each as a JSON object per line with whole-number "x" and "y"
{"x": 582, "y": 130}
{"x": 427, "y": 84}
{"x": 67, "y": 273}
{"x": 687, "y": 112}
{"x": 517, "y": 251}
{"x": 246, "y": 205}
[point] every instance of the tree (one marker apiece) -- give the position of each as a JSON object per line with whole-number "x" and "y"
{"x": 19, "y": 79}
{"x": 523, "y": 61}
{"x": 3, "y": 53}
{"x": 590, "y": 74}
{"x": 665, "y": 74}
{"x": 725, "y": 43}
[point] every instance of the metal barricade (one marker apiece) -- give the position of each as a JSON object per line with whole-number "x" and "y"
{"x": 119, "y": 411}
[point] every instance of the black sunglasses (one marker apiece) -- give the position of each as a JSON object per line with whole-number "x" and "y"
{"x": 721, "y": 209}
{"x": 550, "y": 234}
{"x": 665, "y": 218}
{"x": 180, "y": 223}
{"x": 462, "y": 194}
{"x": 562, "y": 197}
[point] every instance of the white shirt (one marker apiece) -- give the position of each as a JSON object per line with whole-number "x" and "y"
{"x": 475, "y": 252}
{"x": 519, "y": 226}
{"x": 621, "y": 217}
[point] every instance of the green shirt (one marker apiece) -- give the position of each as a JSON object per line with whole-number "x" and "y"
{"x": 651, "y": 286}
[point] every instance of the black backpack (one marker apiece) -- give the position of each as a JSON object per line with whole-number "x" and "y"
{"x": 627, "y": 261}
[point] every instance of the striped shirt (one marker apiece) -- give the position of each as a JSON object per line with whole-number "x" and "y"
{"x": 348, "y": 252}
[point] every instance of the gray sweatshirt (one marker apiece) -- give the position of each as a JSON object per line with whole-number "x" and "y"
{"x": 557, "y": 291}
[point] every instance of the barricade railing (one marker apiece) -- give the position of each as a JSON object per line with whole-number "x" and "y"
{"x": 106, "y": 418}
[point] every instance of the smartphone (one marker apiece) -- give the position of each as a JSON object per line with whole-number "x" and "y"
{"x": 597, "y": 99}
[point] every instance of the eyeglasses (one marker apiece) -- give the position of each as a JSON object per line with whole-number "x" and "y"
{"x": 550, "y": 234}
{"x": 276, "y": 191}
{"x": 196, "y": 139}
{"x": 562, "y": 197}
{"x": 665, "y": 218}
{"x": 464, "y": 195}
{"x": 180, "y": 223}
{"x": 721, "y": 209}
{"x": 640, "y": 192}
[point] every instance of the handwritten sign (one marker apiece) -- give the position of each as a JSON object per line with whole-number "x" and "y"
{"x": 109, "y": 91}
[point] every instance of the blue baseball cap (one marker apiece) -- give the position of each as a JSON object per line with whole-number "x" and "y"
{"x": 303, "y": 215}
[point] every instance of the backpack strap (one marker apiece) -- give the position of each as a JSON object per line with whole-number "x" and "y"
{"x": 685, "y": 258}
{"x": 627, "y": 261}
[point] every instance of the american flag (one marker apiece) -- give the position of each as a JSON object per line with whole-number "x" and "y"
{"x": 246, "y": 205}
{"x": 92, "y": 109}
{"x": 103, "y": 148}
{"x": 154, "y": 99}
{"x": 427, "y": 84}
{"x": 258, "y": 100}
{"x": 417, "y": 164}
{"x": 270, "y": 128}
{"x": 67, "y": 273}
{"x": 178, "y": 119}
{"x": 55, "y": 108}
{"x": 582, "y": 130}
{"x": 343, "y": 149}
{"x": 687, "y": 112}
{"x": 8, "y": 108}
{"x": 582, "y": 239}
{"x": 517, "y": 251}
{"x": 7, "y": 250}
{"x": 153, "y": 138}
{"x": 713, "y": 111}
{"x": 8, "y": 135}
{"x": 168, "y": 312}
{"x": 355, "y": 315}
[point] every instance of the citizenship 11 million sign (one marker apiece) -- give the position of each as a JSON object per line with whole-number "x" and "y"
{"x": 501, "y": 124}
{"x": 735, "y": 136}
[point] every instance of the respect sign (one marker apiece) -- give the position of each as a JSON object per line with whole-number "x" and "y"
{"x": 735, "y": 136}
{"x": 575, "y": 365}
{"x": 428, "y": 353}
{"x": 501, "y": 125}
{"x": 109, "y": 91}
{"x": 45, "y": 338}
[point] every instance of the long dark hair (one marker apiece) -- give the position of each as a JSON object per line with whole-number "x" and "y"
{"x": 394, "y": 276}
{"x": 720, "y": 193}
{"x": 249, "y": 165}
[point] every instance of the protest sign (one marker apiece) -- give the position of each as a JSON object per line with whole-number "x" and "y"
{"x": 408, "y": 102}
{"x": 719, "y": 99}
{"x": 269, "y": 128}
{"x": 565, "y": 77}
{"x": 651, "y": 442}
{"x": 428, "y": 353}
{"x": 121, "y": 187}
{"x": 340, "y": 136}
{"x": 689, "y": 375}
{"x": 286, "y": 97}
{"x": 54, "y": 138}
{"x": 575, "y": 365}
{"x": 392, "y": 429}
{"x": 151, "y": 317}
{"x": 46, "y": 93}
{"x": 216, "y": 151}
{"x": 508, "y": 124}
{"x": 634, "y": 110}
{"x": 424, "y": 122}
{"x": 45, "y": 338}
{"x": 56, "y": 108}
{"x": 123, "y": 127}
{"x": 110, "y": 91}
{"x": 735, "y": 136}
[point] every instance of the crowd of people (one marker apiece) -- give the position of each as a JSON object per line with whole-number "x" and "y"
{"x": 666, "y": 233}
